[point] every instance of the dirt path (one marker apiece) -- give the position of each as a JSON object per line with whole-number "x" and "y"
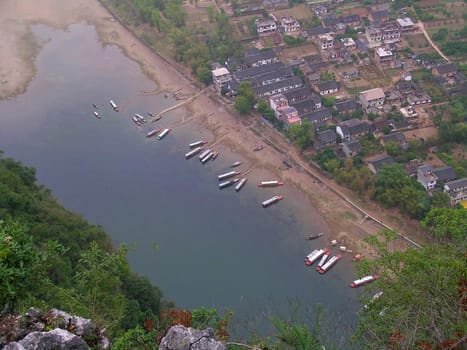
{"x": 433, "y": 45}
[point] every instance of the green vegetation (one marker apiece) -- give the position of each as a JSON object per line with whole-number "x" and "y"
{"x": 292, "y": 41}
{"x": 302, "y": 134}
{"x": 423, "y": 305}
{"x": 245, "y": 99}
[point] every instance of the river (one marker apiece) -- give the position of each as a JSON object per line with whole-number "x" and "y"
{"x": 202, "y": 246}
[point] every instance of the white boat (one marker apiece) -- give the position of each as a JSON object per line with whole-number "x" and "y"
{"x": 270, "y": 183}
{"x": 206, "y": 157}
{"x": 313, "y": 256}
{"x": 235, "y": 164}
{"x": 324, "y": 258}
{"x": 204, "y": 153}
{"x": 364, "y": 280}
{"x": 239, "y": 186}
{"x": 114, "y": 105}
{"x": 136, "y": 121}
{"x": 153, "y": 132}
{"x": 97, "y": 115}
{"x": 163, "y": 134}
{"x": 197, "y": 143}
{"x": 330, "y": 263}
{"x": 373, "y": 299}
{"x": 193, "y": 152}
{"x": 227, "y": 175}
{"x": 271, "y": 201}
{"x": 140, "y": 117}
{"x": 227, "y": 183}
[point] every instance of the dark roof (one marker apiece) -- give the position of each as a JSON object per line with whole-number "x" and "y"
{"x": 346, "y": 105}
{"x": 332, "y": 21}
{"x": 457, "y": 184}
{"x": 317, "y": 30}
{"x": 353, "y": 146}
{"x": 277, "y": 74}
{"x": 355, "y": 127}
{"x": 380, "y": 161}
{"x": 251, "y": 52}
{"x": 447, "y": 68}
{"x": 254, "y": 71}
{"x": 377, "y": 15}
{"x": 316, "y": 66}
{"x": 326, "y": 136}
{"x": 318, "y": 115}
{"x": 328, "y": 85}
{"x": 444, "y": 173}
{"x": 262, "y": 55}
{"x": 306, "y": 106}
{"x": 298, "y": 94}
{"x": 394, "y": 137}
{"x": 405, "y": 86}
{"x": 265, "y": 89}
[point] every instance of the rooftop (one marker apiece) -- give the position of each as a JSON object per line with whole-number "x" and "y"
{"x": 405, "y": 22}
{"x": 372, "y": 94}
{"x": 383, "y": 52}
{"x": 220, "y": 72}
{"x": 456, "y": 184}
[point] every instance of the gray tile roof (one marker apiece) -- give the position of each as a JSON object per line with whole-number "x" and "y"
{"x": 394, "y": 137}
{"x": 444, "y": 173}
{"x": 254, "y": 71}
{"x": 380, "y": 161}
{"x": 447, "y": 68}
{"x": 343, "y": 106}
{"x": 457, "y": 185}
{"x": 328, "y": 85}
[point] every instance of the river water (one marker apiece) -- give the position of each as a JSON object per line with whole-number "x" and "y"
{"x": 202, "y": 246}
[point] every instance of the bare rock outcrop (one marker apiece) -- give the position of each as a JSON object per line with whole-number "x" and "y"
{"x": 182, "y": 338}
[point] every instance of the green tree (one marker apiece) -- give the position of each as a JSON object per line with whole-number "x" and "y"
{"x": 136, "y": 339}
{"x": 421, "y": 306}
{"x": 242, "y": 104}
{"x": 299, "y": 337}
{"x": 328, "y": 101}
{"x": 245, "y": 99}
{"x": 302, "y": 134}
{"x": 447, "y": 224}
{"x": 393, "y": 148}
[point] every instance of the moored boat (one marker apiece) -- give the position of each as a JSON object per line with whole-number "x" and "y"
{"x": 364, "y": 280}
{"x": 270, "y": 183}
{"x": 258, "y": 148}
{"x": 235, "y": 164}
{"x": 141, "y": 118}
{"x": 324, "y": 257}
{"x": 330, "y": 263}
{"x": 193, "y": 152}
{"x": 136, "y": 121}
{"x": 214, "y": 155}
{"x": 95, "y": 106}
{"x": 114, "y": 105}
{"x": 227, "y": 175}
{"x": 242, "y": 182}
{"x": 313, "y": 256}
{"x": 227, "y": 183}
{"x": 153, "y": 132}
{"x": 271, "y": 201}
{"x": 315, "y": 236}
{"x": 373, "y": 299}
{"x": 197, "y": 143}
{"x": 97, "y": 115}
{"x": 204, "y": 153}
{"x": 206, "y": 157}
{"x": 163, "y": 134}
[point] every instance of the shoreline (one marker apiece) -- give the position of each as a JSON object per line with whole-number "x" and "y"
{"x": 240, "y": 134}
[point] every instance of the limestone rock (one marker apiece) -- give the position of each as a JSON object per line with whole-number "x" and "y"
{"x": 182, "y": 338}
{"x": 57, "y": 339}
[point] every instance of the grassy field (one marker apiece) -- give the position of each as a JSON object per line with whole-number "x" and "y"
{"x": 298, "y": 12}
{"x": 299, "y": 51}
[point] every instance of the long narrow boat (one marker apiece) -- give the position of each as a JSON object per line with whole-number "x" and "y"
{"x": 197, "y": 143}
{"x": 227, "y": 175}
{"x": 153, "y": 132}
{"x": 114, "y": 105}
{"x": 163, "y": 134}
{"x": 141, "y": 118}
{"x": 270, "y": 183}
{"x": 214, "y": 155}
{"x": 97, "y": 115}
{"x": 204, "y": 153}
{"x": 239, "y": 186}
{"x": 236, "y": 164}
{"x": 272, "y": 200}
{"x": 315, "y": 236}
{"x": 364, "y": 280}
{"x": 324, "y": 258}
{"x": 313, "y": 256}
{"x": 95, "y": 106}
{"x": 227, "y": 183}
{"x": 136, "y": 121}
{"x": 373, "y": 299}
{"x": 330, "y": 263}
{"x": 193, "y": 152}
{"x": 206, "y": 157}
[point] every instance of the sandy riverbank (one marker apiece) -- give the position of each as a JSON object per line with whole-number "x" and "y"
{"x": 18, "y": 50}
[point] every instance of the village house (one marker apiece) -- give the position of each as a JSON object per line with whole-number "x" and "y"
{"x": 390, "y": 32}
{"x": 352, "y": 21}
{"x": 429, "y": 177}
{"x": 412, "y": 166}
{"x": 351, "y": 148}
{"x": 405, "y": 87}
{"x": 378, "y": 162}
{"x": 409, "y": 114}
{"x": 349, "y": 43}
{"x": 444, "y": 70}
{"x": 393, "y": 97}
{"x": 373, "y": 35}
{"x": 314, "y": 32}
{"x": 397, "y": 137}
{"x": 351, "y": 74}
{"x": 278, "y": 87}
{"x": 221, "y": 77}
{"x": 282, "y": 110}
{"x": 457, "y": 191}
{"x": 352, "y": 129}
{"x": 324, "y": 138}
{"x": 328, "y": 87}
{"x": 445, "y": 174}
{"x": 406, "y": 25}
{"x": 277, "y": 102}
{"x": 326, "y": 41}
{"x": 261, "y": 58}
{"x": 319, "y": 10}
{"x": 271, "y": 76}
{"x": 275, "y": 4}
{"x": 299, "y": 94}
{"x": 384, "y": 57}
{"x": 346, "y": 106}
{"x": 372, "y": 98}
{"x": 318, "y": 117}
{"x": 379, "y": 124}
{"x": 418, "y": 97}
{"x": 308, "y": 105}
{"x": 289, "y": 24}
{"x": 266, "y": 27}
{"x": 379, "y": 16}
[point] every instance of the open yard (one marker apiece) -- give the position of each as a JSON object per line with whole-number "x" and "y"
{"x": 419, "y": 44}
{"x": 298, "y": 12}
{"x": 298, "y": 51}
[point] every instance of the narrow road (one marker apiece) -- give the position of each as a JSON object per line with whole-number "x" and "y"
{"x": 433, "y": 45}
